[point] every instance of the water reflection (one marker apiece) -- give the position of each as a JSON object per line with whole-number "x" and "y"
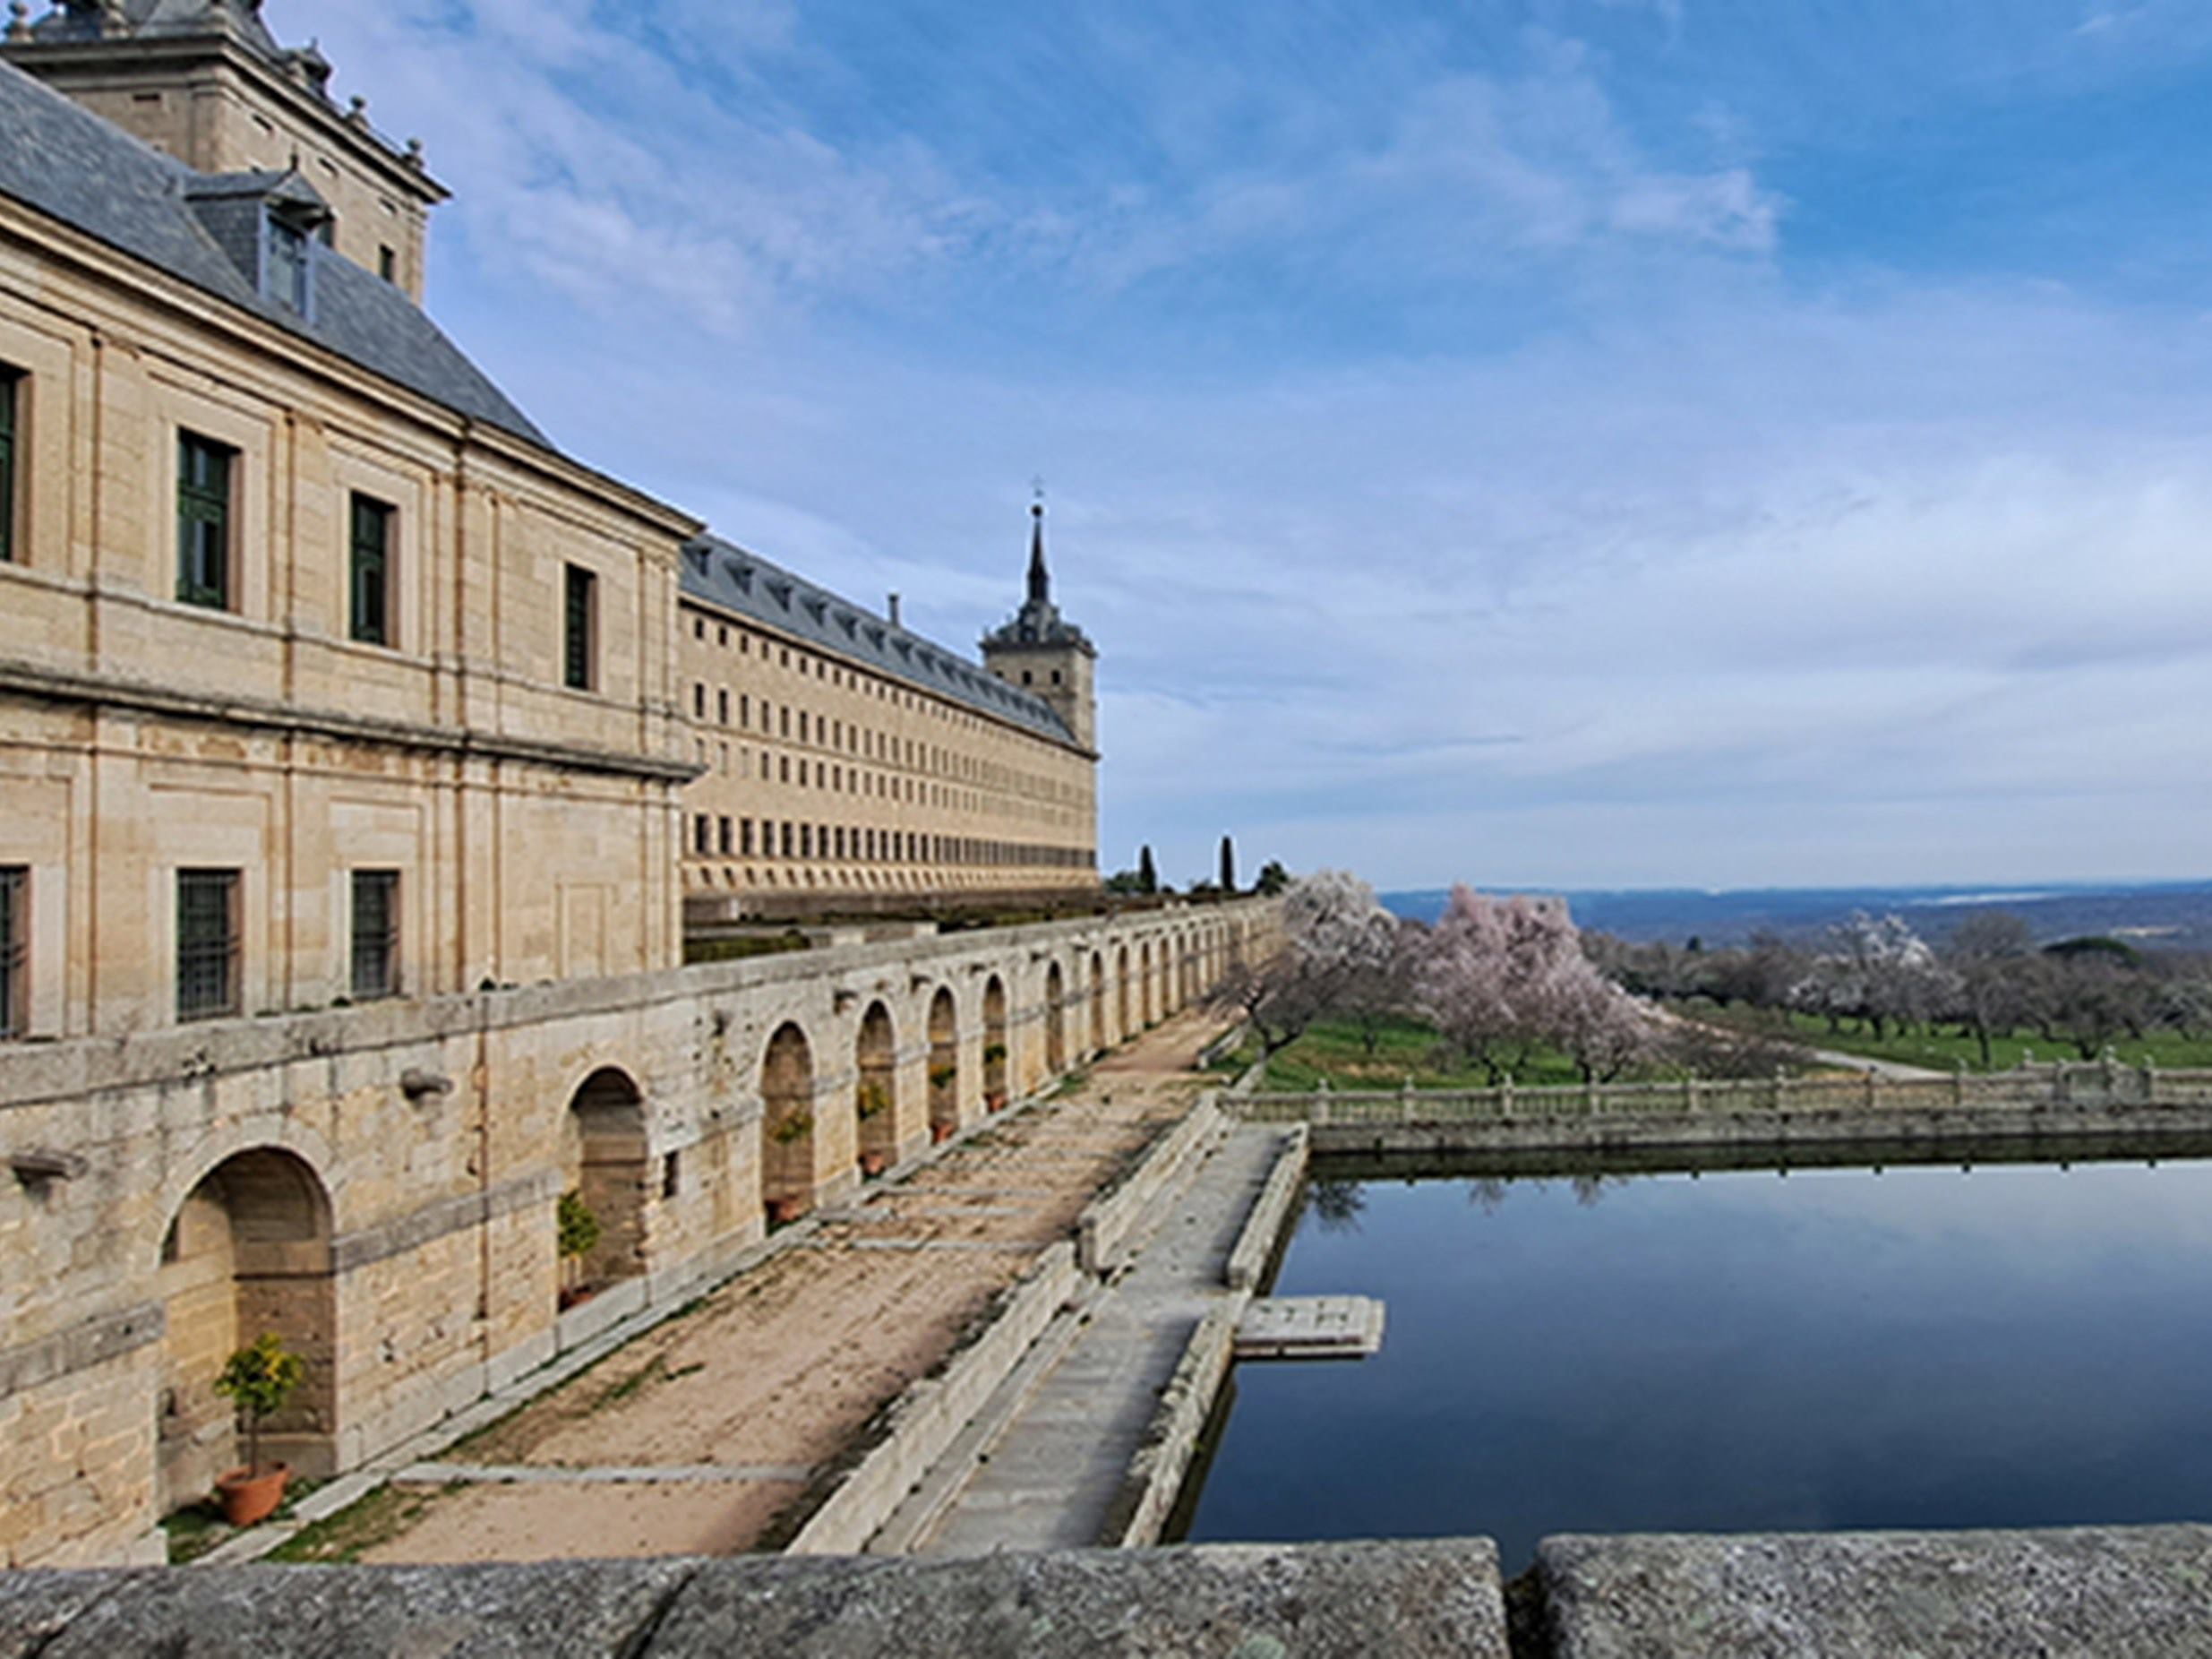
{"x": 1724, "y": 1350}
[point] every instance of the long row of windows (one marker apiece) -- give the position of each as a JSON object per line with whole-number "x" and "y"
{"x": 728, "y": 838}
{"x": 848, "y": 737}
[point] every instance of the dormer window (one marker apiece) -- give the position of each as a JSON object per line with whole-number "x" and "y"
{"x": 288, "y": 258}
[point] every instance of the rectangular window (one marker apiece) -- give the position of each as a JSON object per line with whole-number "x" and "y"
{"x": 371, "y": 585}
{"x": 724, "y": 833}
{"x": 376, "y": 934}
{"x": 287, "y": 265}
{"x": 744, "y": 837}
{"x": 722, "y": 706}
{"x": 207, "y": 944}
{"x": 14, "y": 951}
{"x": 203, "y": 469}
{"x": 702, "y": 834}
{"x": 578, "y": 628}
{"x": 387, "y": 266}
{"x": 11, "y": 385}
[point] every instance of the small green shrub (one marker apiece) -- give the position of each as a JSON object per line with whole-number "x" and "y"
{"x": 259, "y": 1379}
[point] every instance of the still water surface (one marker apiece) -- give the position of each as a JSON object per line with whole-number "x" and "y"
{"x": 2013, "y": 1346}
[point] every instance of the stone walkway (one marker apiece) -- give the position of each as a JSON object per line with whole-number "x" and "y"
{"x": 694, "y": 1435}
{"x": 1047, "y": 1478}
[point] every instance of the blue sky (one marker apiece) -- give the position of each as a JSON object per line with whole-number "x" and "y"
{"x": 1576, "y": 443}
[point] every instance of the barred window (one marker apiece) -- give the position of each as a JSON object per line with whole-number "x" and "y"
{"x": 207, "y": 944}
{"x": 376, "y": 934}
{"x": 14, "y": 951}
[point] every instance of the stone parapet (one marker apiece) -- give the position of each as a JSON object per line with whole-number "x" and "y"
{"x": 2082, "y": 1592}
{"x": 1338, "y": 1601}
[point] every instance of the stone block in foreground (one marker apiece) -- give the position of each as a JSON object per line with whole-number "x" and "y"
{"x": 2074, "y": 1592}
{"x": 1213, "y": 1602}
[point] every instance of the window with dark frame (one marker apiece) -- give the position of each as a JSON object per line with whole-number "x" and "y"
{"x": 14, "y": 951}
{"x": 375, "y": 934}
{"x": 371, "y": 565}
{"x": 580, "y": 597}
{"x": 207, "y": 944}
{"x": 11, "y": 384}
{"x": 203, "y": 469}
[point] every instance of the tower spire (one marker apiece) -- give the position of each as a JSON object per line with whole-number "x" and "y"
{"x": 1039, "y": 579}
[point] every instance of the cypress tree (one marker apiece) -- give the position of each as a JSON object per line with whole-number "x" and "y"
{"x": 1147, "y": 872}
{"x": 1229, "y": 866}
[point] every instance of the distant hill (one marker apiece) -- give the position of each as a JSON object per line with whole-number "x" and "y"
{"x": 2170, "y": 915}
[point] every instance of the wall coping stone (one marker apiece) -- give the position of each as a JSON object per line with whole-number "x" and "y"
{"x": 2071, "y": 1593}
{"x": 1330, "y": 1601}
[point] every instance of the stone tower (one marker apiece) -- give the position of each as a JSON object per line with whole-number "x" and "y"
{"x": 1041, "y": 651}
{"x": 206, "y": 82}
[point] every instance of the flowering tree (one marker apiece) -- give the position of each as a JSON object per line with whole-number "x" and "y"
{"x": 1878, "y": 969}
{"x": 1499, "y": 978}
{"x": 1336, "y": 937}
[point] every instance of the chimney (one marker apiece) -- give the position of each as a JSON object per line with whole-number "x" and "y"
{"x": 895, "y": 621}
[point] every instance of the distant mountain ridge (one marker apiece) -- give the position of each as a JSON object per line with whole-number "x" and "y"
{"x": 2172, "y": 916}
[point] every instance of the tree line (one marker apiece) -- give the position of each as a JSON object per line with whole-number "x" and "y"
{"x": 1988, "y": 978}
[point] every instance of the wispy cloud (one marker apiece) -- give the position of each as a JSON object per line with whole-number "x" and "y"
{"x": 1578, "y": 441}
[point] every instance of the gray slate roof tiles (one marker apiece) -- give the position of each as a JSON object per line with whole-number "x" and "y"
{"x": 67, "y": 161}
{"x": 729, "y": 578}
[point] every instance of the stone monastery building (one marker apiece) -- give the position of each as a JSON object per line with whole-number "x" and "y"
{"x": 360, "y": 755}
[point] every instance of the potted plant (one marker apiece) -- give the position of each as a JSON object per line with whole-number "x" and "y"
{"x": 943, "y": 1077}
{"x": 792, "y": 1127}
{"x": 258, "y": 1378}
{"x": 872, "y": 1098}
{"x": 578, "y": 1230}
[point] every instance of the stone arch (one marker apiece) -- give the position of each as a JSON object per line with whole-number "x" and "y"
{"x": 1099, "y": 1039}
{"x": 1121, "y": 993}
{"x": 787, "y": 1124}
{"x": 1145, "y": 980}
{"x": 246, "y": 1251}
{"x": 874, "y": 1091}
{"x": 603, "y": 1163}
{"x": 944, "y": 1064}
{"x": 1055, "y": 1020}
{"x": 995, "y": 1051}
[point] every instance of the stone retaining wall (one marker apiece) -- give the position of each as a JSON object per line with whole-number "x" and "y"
{"x": 377, "y": 1184}
{"x": 1110, "y": 1224}
{"x": 915, "y": 1429}
{"x": 1266, "y": 1229}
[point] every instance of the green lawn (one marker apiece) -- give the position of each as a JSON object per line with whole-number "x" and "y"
{"x": 1335, "y": 1051}
{"x": 1942, "y": 1049}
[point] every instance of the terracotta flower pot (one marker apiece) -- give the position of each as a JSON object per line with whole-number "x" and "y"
{"x": 782, "y": 1212}
{"x": 247, "y": 1497}
{"x": 940, "y": 1133}
{"x": 996, "y": 1103}
{"x": 871, "y": 1164}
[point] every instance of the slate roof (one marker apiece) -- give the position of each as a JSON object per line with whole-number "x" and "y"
{"x": 63, "y": 160}
{"x": 719, "y": 573}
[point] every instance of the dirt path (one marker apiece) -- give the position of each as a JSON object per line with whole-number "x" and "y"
{"x": 694, "y": 1437}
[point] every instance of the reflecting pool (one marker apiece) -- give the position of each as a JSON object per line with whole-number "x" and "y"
{"x": 2011, "y": 1345}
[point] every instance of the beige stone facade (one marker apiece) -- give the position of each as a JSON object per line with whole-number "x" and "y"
{"x": 354, "y": 744}
{"x": 828, "y": 783}
{"x": 530, "y": 826}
